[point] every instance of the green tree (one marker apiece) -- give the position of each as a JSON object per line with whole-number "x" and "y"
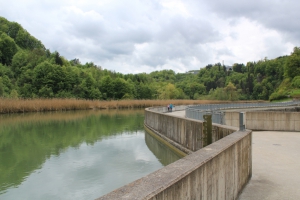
{"x": 168, "y": 91}
{"x": 144, "y": 91}
{"x": 292, "y": 66}
{"x": 218, "y": 94}
{"x": 13, "y": 29}
{"x": 107, "y": 87}
{"x": 231, "y": 90}
{"x": 19, "y": 60}
{"x": 120, "y": 88}
{"x": 8, "y": 48}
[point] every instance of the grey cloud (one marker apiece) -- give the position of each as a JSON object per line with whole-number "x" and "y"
{"x": 224, "y": 51}
{"x": 193, "y": 31}
{"x": 279, "y": 15}
{"x": 86, "y": 28}
{"x": 146, "y": 33}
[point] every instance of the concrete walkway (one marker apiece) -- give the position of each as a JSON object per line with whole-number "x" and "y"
{"x": 275, "y": 165}
{"x": 177, "y": 113}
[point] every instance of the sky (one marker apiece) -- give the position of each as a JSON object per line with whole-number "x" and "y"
{"x": 138, "y": 36}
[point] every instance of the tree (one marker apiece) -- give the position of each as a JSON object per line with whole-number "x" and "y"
{"x": 107, "y": 87}
{"x": 257, "y": 91}
{"x": 8, "y": 48}
{"x": 292, "y": 66}
{"x": 19, "y": 60}
{"x": 13, "y": 29}
{"x": 231, "y": 89}
{"x": 168, "y": 91}
{"x": 144, "y": 91}
{"x": 218, "y": 94}
{"x": 239, "y": 68}
{"x": 58, "y": 60}
{"x": 120, "y": 88}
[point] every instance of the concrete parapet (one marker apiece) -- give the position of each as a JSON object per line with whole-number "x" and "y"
{"x": 186, "y": 132}
{"x": 270, "y": 120}
{"x": 232, "y": 119}
{"x": 273, "y": 120}
{"x": 218, "y": 171}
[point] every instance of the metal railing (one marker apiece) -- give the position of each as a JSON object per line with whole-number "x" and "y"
{"x": 164, "y": 109}
{"x": 217, "y": 110}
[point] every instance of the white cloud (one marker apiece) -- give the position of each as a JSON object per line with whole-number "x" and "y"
{"x": 147, "y": 35}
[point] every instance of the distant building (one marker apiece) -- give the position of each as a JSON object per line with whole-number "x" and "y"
{"x": 193, "y": 72}
{"x": 228, "y": 68}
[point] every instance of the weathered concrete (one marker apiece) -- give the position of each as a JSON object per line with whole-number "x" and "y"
{"x": 186, "y": 132}
{"x": 232, "y": 118}
{"x": 265, "y": 120}
{"x": 273, "y": 120}
{"x": 276, "y": 166}
{"x": 218, "y": 171}
{"x": 275, "y": 158}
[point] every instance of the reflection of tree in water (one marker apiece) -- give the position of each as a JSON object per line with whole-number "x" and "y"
{"x": 27, "y": 140}
{"x": 164, "y": 154}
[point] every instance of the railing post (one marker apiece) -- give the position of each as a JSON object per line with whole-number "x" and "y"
{"x": 242, "y": 124}
{"x": 207, "y": 128}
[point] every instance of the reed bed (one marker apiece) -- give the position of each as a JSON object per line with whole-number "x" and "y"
{"x": 67, "y": 116}
{"x": 43, "y": 105}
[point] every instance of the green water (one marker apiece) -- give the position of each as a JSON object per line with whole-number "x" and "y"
{"x": 75, "y": 155}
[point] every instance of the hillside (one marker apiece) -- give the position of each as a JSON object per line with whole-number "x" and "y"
{"x": 29, "y": 70}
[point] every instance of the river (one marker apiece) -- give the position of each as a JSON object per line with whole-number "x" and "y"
{"x": 75, "y": 154}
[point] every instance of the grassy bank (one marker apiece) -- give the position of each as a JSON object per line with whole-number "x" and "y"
{"x": 42, "y": 105}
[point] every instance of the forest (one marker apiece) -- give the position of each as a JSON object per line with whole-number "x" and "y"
{"x": 29, "y": 70}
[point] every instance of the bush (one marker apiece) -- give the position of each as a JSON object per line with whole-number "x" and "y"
{"x": 278, "y": 95}
{"x": 296, "y": 82}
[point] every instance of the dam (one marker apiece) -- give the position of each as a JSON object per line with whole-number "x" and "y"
{"x": 220, "y": 170}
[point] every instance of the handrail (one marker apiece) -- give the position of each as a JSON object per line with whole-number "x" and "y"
{"x": 216, "y": 110}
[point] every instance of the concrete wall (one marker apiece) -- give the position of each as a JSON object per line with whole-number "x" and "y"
{"x": 273, "y": 120}
{"x": 186, "y": 132}
{"x": 266, "y": 120}
{"x": 217, "y": 171}
{"x": 232, "y": 118}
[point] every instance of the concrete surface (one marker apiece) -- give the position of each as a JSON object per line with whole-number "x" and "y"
{"x": 177, "y": 113}
{"x": 275, "y": 166}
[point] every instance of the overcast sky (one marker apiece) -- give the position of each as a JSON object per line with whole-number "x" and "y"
{"x": 136, "y": 36}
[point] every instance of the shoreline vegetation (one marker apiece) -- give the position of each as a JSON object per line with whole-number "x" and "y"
{"x": 8, "y": 105}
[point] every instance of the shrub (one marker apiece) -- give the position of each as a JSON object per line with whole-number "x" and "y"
{"x": 296, "y": 82}
{"x": 278, "y": 95}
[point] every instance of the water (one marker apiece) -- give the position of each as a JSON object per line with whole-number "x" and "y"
{"x": 75, "y": 155}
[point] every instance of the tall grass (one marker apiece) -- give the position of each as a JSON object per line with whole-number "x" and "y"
{"x": 67, "y": 116}
{"x": 42, "y": 105}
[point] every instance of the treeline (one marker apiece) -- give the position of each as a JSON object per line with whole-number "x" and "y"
{"x": 262, "y": 80}
{"x": 29, "y": 70}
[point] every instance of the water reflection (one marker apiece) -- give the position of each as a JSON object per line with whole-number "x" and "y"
{"x": 74, "y": 155}
{"x": 164, "y": 154}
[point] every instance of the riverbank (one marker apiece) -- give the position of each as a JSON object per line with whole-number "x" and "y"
{"x": 42, "y": 105}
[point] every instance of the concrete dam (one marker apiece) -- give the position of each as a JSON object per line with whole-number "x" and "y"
{"x": 217, "y": 170}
